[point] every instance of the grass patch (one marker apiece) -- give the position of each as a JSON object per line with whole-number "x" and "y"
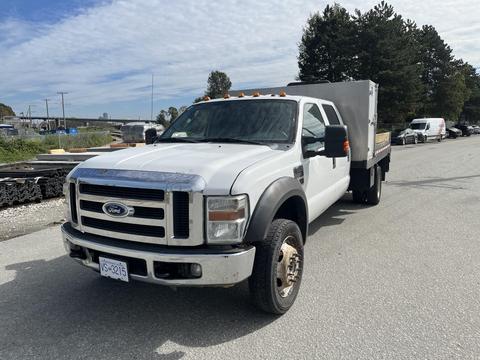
{"x": 17, "y": 149}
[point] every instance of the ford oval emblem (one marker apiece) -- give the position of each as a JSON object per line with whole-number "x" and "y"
{"x": 115, "y": 209}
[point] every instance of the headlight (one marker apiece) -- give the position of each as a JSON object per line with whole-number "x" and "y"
{"x": 66, "y": 194}
{"x": 226, "y": 219}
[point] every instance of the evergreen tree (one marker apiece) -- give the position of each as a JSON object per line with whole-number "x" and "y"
{"x": 388, "y": 55}
{"x": 327, "y": 49}
{"x": 438, "y": 67}
{"x": 218, "y": 84}
{"x": 471, "y": 108}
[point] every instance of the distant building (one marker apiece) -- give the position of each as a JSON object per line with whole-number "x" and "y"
{"x": 104, "y": 116}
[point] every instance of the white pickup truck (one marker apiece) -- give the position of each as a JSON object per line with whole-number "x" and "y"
{"x": 227, "y": 192}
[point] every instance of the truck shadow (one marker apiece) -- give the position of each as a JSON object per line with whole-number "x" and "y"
{"x": 58, "y": 309}
{"x": 335, "y": 215}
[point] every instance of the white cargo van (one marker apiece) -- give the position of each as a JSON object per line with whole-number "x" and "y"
{"x": 429, "y": 128}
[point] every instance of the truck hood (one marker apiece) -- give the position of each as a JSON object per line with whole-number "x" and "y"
{"x": 218, "y": 164}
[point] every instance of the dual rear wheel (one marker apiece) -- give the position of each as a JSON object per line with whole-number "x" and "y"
{"x": 371, "y": 196}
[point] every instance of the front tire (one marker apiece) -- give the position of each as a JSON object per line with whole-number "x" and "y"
{"x": 278, "y": 268}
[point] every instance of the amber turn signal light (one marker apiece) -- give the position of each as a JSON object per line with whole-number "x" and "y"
{"x": 226, "y": 215}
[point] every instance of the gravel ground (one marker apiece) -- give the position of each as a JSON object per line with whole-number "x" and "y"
{"x": 25, "y": 219}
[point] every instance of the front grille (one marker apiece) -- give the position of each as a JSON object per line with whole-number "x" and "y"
{"x": 181, "y": 214}
{"x": 139, "y": 211}
{"x": 123, "y": 192}
{"x": 126, "y": 228}
{"x": 155, "y": 216}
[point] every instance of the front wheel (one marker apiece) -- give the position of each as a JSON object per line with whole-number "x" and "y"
{"x": 278, "y": 267}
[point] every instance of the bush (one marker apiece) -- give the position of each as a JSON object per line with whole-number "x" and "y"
{"x": 18, "y": 149}
{"x": 83, "y": 140}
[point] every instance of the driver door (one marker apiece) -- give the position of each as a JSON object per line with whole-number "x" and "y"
{"x": 319, "y": 173}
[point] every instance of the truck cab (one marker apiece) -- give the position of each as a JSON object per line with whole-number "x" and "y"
{"x": 225, "y": 194}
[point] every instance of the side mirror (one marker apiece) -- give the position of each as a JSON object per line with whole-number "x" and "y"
{"x": 150, "y": 136}
{"x": 336, "y": 142}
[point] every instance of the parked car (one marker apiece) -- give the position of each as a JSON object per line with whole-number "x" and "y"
{"x": 429, "y": 128}
{"x": 453, "y": 132}
{"x": 403, "y": 137}
{"x": 466, "y": 131}
{"x": 476, "y": 129}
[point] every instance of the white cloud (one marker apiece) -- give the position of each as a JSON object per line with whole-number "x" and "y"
{"x": 106, "y": 53}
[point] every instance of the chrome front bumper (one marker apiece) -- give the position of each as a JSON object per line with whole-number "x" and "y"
{"x": 219, "y": 268}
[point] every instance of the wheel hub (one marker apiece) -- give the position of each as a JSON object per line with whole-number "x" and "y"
{"x": 288, "y": 268}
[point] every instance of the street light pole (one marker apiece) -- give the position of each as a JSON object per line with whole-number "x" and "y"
{"x": 63, "y": 108}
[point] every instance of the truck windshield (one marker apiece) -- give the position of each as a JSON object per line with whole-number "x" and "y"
{"x": 243, "y": 121}
{"x": 418, "y": 126}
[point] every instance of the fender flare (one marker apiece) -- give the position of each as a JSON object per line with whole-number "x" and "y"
{"x": 275, "y": 195}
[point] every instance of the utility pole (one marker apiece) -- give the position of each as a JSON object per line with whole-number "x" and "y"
{"x": 29, "y": 114}
{"x": 151, "y": 103}
{"x": 63, "y": 108}
{"x": 48, "y": 117}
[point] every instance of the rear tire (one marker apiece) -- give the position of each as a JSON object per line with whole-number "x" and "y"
{"x": 375, "y": 192}
{"x": 278, "y": 267}
{"x": 359, "y": 197}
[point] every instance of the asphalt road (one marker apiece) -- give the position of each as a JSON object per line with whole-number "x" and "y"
{"x": 397, "y": 281}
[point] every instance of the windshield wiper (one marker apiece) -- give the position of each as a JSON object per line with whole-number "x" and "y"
{"x": 176, "y": 139}
{"x": 232, "y": 140}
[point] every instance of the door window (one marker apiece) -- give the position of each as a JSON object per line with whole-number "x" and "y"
{"x": 313, "y": 126}
{"x": 331, "y": 114}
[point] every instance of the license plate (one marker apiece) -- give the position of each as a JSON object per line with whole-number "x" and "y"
{"x": 113, "y": 269}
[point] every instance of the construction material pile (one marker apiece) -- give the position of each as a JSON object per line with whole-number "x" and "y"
{"x": 22, "y": 184}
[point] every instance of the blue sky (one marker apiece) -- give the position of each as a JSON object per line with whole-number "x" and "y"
{"x": 103, "y": 52}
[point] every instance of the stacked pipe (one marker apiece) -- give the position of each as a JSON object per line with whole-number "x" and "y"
{"x": 19, "y": 191}
{"x": 24, "y": 185}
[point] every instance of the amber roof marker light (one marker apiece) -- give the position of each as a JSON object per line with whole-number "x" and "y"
{"x": 206, "y": 98}
{"x": 241, "y": 95}
{"x": 282, "y": 93}
{"x": 226, "y": 96}
{"x": 256, "y": 94}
